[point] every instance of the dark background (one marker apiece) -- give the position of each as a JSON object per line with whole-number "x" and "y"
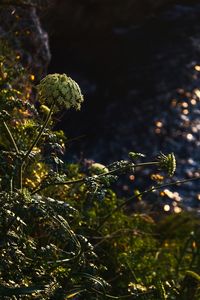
{"x": 136, "y": 64}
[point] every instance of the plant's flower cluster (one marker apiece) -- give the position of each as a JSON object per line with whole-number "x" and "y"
{"x": 61, "y": 90}
{"x": 167, "y": 163}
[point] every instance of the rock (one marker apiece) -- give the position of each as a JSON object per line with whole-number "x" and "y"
{"x": 95, "y": 18}
{"x": 21, "y": 27}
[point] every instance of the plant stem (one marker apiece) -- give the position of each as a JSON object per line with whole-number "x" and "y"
{"x": 123, "y": 296}
{"x": 36, "y": 140}
{"x": 39, "y": 133}
{"x": 81, "y": 180}
{"x": 38, "y": 189}
{"x": 11, "y": 137}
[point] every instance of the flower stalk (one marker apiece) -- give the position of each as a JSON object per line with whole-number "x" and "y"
{"x": 11, "y": 137}
{"x": 39, "y": 133}
{"x": 26, "y": 156}
{"x": 96, "y": 177}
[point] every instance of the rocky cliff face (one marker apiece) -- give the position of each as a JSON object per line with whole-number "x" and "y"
{"x": 21, "y": 27}
{"x": 75, "y": 19}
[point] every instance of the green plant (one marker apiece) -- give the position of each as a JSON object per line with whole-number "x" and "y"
{"x": 64, "y": 234}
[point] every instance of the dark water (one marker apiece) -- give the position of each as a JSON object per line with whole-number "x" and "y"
{"x": 142, "y": 93}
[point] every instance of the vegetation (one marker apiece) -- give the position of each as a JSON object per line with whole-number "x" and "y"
{"x": 64, "y": 233}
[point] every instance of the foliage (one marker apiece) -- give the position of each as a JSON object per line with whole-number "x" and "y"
{"x": 64, "y": 232}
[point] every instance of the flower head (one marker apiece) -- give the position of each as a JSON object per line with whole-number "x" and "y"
{"x": 97, "y": 168}
{"x": 61, "y": 90}
{"x": 167, "y": 163}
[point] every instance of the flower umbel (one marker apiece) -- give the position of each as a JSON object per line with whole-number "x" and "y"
{"x": 167, "y": 163}
{"x": 61, "y": 90}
